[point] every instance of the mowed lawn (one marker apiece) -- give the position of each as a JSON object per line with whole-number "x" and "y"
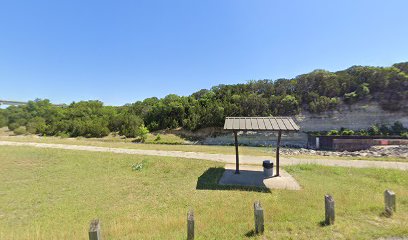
{"x": 243, "y": 150}
{"x": 54, "y": 194}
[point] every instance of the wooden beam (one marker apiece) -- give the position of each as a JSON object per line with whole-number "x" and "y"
{"x": 236, "y": 153}
{"x": 277, "y": 152}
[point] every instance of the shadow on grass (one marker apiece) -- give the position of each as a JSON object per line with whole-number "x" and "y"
{"x": 210, "y": 178}
{"x": 251, "y": 234}
{"x": 323, "y": 223}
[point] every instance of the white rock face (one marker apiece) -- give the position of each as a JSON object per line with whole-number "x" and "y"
{"x": 356, "y": 116}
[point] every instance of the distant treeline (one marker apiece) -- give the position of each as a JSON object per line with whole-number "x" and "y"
{"x": 315, "y": 92}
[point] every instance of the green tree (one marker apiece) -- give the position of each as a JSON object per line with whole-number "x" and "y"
{"x": 37, "y": 125}
{"x": 289, "y": 105}
{"x": 130, "y": 125}
{"x": 142, "y": 133}
{"x": 3, "y": 119}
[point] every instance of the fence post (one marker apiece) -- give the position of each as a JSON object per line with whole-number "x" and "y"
{"x": 259, "y": 217}
{"x": 389, "y": 200}
{"x": 190, "y": 225}
{"x": 95, "y": 230}
{"x": 329, "y": 209}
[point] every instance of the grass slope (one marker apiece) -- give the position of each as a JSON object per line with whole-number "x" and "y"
{"x": 53, "y": 194}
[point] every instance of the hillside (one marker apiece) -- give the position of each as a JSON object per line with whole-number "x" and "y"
{"x": 315, "y": 93}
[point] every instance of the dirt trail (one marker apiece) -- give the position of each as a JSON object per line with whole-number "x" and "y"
{"x": 244, "y": 159}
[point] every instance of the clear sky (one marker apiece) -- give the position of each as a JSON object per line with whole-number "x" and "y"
{"x": 122, "y": 51}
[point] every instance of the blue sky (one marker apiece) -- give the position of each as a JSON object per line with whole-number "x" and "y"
{"x": 123, "y": 51}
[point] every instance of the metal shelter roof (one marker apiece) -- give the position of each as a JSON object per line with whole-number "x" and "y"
{"x": 261, "y": 124}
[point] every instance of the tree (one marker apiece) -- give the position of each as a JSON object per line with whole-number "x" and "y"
{"x": 398, "y": 128}
{"x": 3, "y": 120}
{"x": 142, "y": 133}
{"x": 36, "y": 125}
{"x": 130, "y": 125}
{"x": 289, "y": 105}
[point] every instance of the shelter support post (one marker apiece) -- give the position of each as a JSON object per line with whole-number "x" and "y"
{"x": 236, "y": 153}
{"x": 277, "y": 152}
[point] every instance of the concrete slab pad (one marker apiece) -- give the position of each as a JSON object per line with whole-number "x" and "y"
{"x": 251, "y": 175}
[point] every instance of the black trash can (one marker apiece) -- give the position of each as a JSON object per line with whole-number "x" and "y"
{"x": 267, "y": 168}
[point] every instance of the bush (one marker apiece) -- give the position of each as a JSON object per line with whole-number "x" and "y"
{"x": 398, "y": 128}
{"x": 36, "y": 125}
{"x": 289, "y": 105}
{"x": 13, "y": 126}
{"x": 351, "y": 97}
{"x": 130, "y": 125}
{"x": 333, "y": 133}
{"x": 363, "y": 90}
{"x": 404, "y": 134}
{"x": 347, "y": 132}
{"x": 62, "y": 135}
{"x": 373, "y": 130}
{"x": 158, "y": 138}
{"x": 137, "y": 166}
{"x": 20, "y": 131}
{"x": 322, "y": 104}
{"x": 3, "y": 121}
{"x": 142, "y": 133}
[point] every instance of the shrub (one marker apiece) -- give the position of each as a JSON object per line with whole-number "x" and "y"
{"x": 350, "y": 97}
{"x": 3, "y": 121}
{"x": 158, "y": 138}
{"x": 142, "y": 132}
{"x": 13, "y": 126}
{"x": 322, "y": 104}
{"x": 130, "y": 125}
{"x": 347, "y": 132}
{"x": 404, "y": 134}
{"x": 289, "y": 105}
{"x": 398, "y": 128}
{"x": 333, "y": 133}
{"x": 373, "y": 130}
{"x": 36, "y": 125}
{"x": 137, "y": 166}
{"x": 62, "y": 135}
{"x": 363, "y": 90}
{"x": 20, "y": 131}
{"x": 363, "y": 132}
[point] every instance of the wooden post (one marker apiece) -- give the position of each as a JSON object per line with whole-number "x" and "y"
{"x": 236, "y": 153}
{"x": 259, "y": 218}
{"x": 277, "y": 153}
{"x": 329, "y": 209}
{"x": 389, "y": 200}
{"x": 95, "y": 230}
{"x": 190, "y": 225}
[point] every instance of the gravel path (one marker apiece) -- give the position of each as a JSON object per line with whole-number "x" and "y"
{"x": 219, "y": 157}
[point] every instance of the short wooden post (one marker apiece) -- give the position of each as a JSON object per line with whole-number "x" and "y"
{"x": 329, "y": 209}
{"x": 190, "y": 225}
{"x": 389, "y": 200}
{"x": 95, "y": 230}
{"x": 259, "y": 217}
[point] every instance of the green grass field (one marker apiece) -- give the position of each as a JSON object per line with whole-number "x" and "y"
{"x": 54, "y": 194}
{"x": 122, "y": 143}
